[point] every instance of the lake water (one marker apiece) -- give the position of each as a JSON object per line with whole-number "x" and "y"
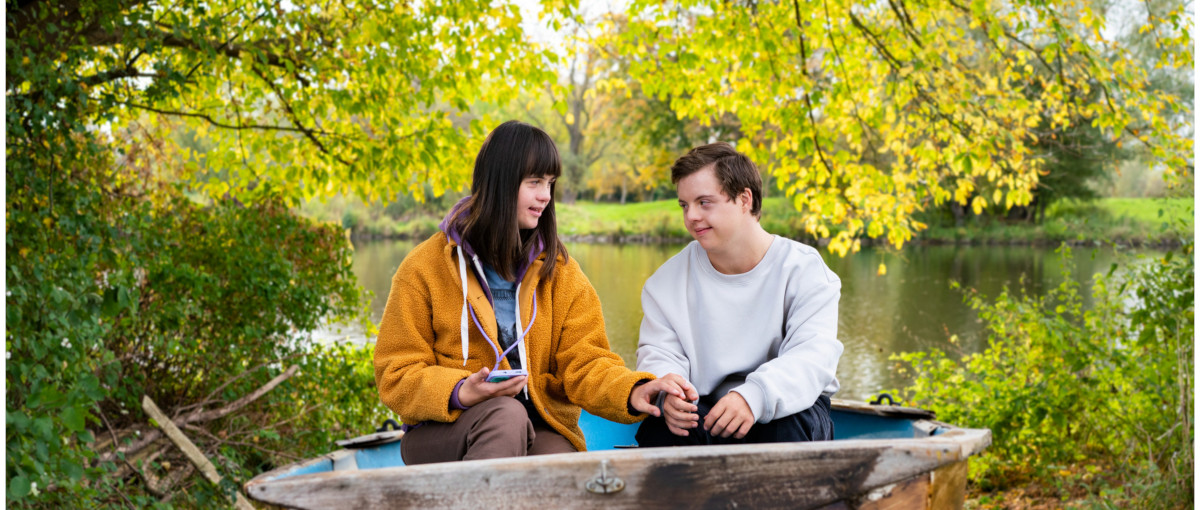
{"x": 912, "y": 307}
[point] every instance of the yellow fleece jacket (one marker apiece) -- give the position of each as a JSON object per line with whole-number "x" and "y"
{"x": 418, "y": 356}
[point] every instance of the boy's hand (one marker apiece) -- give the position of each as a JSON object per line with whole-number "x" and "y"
{"x": 642, "y": 398}
{"x": 476, "y": 389}
{"x": 731, "y": 416}
{"x": 680, "y": 415}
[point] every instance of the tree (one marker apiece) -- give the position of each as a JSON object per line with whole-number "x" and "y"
{"x": 305, "y": 98}
{"x": 1075, "y": 158}
{"x": 647, "y": 135}
{"x": 867, "y": 114}
{"x": 1078, "y": 157}
{"x": 580, "y": 112}
{"x": 579, "y": 106}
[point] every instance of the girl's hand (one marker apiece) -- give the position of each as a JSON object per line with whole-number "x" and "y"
{"x": 476, "y": 389}
{"x": 642, "y": 398}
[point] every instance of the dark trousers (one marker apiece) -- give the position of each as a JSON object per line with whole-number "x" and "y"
{"x": 812, "y": 424}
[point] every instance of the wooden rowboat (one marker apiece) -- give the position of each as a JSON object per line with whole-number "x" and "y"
{"x": 883, "y": 457}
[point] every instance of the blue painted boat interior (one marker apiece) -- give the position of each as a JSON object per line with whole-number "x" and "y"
{"x": 602, "y": 434}
{"x": 387, "y": 455}
{"x": 326, "y": 465}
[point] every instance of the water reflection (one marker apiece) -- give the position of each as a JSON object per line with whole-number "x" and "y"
{"x": 618, "y": 272}
{"x": 914, "y": 307}
{"x": 375, "y": 262}
{"x": 911, "y": 308}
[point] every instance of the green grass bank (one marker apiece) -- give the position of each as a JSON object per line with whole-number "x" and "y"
{"x": 1126, "y": 221}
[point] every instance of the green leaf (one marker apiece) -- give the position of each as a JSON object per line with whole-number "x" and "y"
{"x": 806, "y": 146}
{"x": 18, "y": 487}
{"x": 74, "y": 418}
{"x": 48, "y": 396}
{"x": 17, "y": 420}
{"x": 85, "y": 436}
{"x": 74, "y": 471}
{"x": 90, "y": 384}
{"x": 43, "y": 428}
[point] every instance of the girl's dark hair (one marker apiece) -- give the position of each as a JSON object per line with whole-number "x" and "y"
{"x": 512, "y": 152}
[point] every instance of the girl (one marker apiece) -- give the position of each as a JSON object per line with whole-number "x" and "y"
{"x": 521, "y": 303}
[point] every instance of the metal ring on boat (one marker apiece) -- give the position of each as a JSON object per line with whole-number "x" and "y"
{"x": 879, "y": 400}
{"x": 384, "y": 427}
{"x": 604, "y": 484}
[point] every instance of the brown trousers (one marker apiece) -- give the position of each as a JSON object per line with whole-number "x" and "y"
{"x": 495, "y": 428}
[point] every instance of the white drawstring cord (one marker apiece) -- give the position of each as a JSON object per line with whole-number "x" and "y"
{"x": 521, "y": 337}
{"x": 462, "y": 273}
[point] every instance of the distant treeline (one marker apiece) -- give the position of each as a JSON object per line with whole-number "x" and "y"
{"x": 1125, "y": 221}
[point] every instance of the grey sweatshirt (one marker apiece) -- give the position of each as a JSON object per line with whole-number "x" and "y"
{"x": 769, "y": 334}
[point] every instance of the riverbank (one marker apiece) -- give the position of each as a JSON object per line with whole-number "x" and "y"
{"x": 1148, "y": 222}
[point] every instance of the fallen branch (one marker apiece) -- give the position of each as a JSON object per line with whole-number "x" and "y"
{"x": 127, "y": 466}
{"x": 212, "y": 396}
{"x": 173, "y": 479}
{"x": 153, "y": 435}
{"x": 189, "y": 449}
{"x": 241, "y": 402}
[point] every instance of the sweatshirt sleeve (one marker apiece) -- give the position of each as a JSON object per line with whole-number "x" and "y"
{"x": 808, "y": 354}
{"x": 410, "y": 381}
{"x": 659, "y": 351}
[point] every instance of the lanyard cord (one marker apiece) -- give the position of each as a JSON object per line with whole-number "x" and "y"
{"x": 467, "y": 309}
{"x": 520, "y": 337}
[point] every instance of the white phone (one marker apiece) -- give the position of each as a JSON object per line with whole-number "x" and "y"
{"x": 504, "y": 375}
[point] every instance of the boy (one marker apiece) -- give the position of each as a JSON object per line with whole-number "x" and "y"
{"x": 749, "y": 318}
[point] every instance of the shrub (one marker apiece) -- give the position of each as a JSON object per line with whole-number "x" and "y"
{"x": 1063, "y": 388}
{"x": 117, "y": 289}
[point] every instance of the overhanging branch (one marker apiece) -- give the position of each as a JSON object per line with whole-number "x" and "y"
{"x": 807, "y": 96}
{"x": 311, "y": 134}
{"x": 216, "y": 123}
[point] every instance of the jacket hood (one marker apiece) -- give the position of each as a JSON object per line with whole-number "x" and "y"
{"x": 449, "y": 225}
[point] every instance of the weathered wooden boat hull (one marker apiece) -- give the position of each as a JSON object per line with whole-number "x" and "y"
{"x": 911, "y": 472}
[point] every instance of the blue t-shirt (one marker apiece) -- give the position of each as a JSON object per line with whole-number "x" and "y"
{"x": 504, "y": 301}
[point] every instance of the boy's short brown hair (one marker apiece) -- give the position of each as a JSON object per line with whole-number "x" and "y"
{"x": 734, "y": 170}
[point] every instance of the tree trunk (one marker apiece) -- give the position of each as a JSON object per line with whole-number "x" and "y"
{"x": 575, "y": 168}
{"x": 568, "y": 195}
{"x": 960, "y": 213}
{"x": 624, "y": 188}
